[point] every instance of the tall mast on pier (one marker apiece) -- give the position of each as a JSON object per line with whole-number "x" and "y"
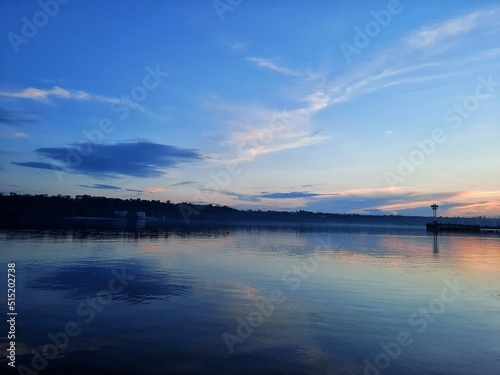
{"x": 434, "y": 209}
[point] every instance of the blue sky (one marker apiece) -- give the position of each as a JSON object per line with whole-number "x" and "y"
{"x": 334, "y": 106}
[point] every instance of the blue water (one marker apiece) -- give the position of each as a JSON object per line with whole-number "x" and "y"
{"x": 253, "y": 300}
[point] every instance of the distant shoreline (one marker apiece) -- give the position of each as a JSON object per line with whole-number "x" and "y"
{"x": 62, "y": 211}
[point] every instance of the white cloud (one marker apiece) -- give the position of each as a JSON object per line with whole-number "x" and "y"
{"x": 364, "y": 81}
{"x": 254, "y": 131}
{"x": 430, "y": 36}
{"x": 398, "y": 65}
{"x": 21, "y": 135}
{"x": 255, "y": 135}
{"x": 44, "y": 95}
{"x": 237, "y": 46}
{"x": 317, "y": 91}
{"x": 15, "y": 135}
{"x": 266, "y": 63}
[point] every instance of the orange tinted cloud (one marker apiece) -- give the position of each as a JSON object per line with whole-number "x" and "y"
{"x": 465, "y": 203}
{"x": 153, "y": 190}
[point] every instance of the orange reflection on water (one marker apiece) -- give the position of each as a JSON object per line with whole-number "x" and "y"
{"x": 149, "y": 247}
{"x": 476, "y": 254}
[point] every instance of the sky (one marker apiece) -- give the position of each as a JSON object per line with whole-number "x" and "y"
{"x": 368, "y": 107}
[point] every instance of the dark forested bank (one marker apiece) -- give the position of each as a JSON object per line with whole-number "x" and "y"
{"x": 16, "y": 206}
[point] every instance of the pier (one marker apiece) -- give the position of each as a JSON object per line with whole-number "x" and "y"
{"x": 438, "y": 227}
{"x": 449, "y": 227}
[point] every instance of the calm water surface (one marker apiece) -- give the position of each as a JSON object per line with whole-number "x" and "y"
{"x": 254, "y": 301}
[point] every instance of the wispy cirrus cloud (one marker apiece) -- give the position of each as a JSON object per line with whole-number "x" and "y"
{"x": 237, "y": 46}
{"x": 367, "y": 80}
{"x": 476, "y": 202}
{"x": 153, "y": 190}
{"x": 14, "y": 134}
{"x": 134, "y": 190}
{"x": 282, "y": 142}
{"x": 288, "y": 195}
{"x": 489, "y": 208}
{"x": 266, "y": 63}
{"x": 45, "y": 95}
{"x": 136, "y": 159}
{"x": 11, "y": 121}
{"x": 181, "y": 183}
{"x": 429, "y": 36}
{"x": 394, "y": 66}
{"x": 264, "y": 131}
{"x": 101, "y": 186}
{"x": 410, "y": 60}
{"x": 15, "y": 118}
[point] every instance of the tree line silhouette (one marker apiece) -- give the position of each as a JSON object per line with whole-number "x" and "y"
{"x": 25, "y": 206}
